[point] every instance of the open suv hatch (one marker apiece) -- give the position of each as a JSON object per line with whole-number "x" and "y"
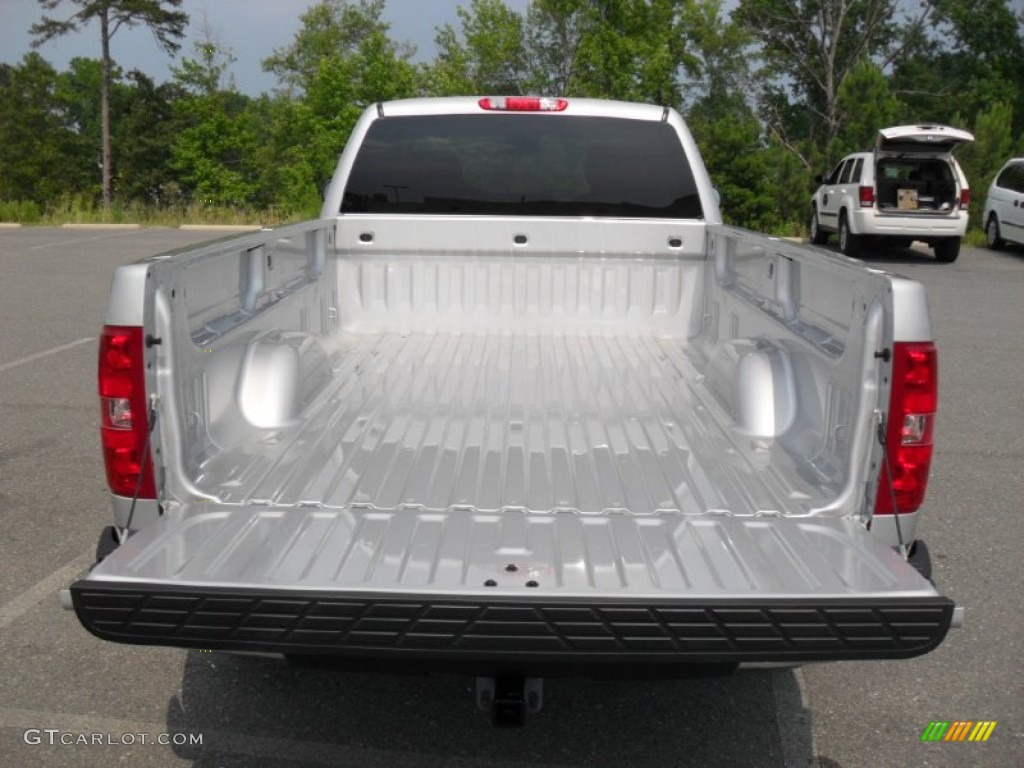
{"x": 910, "y": 187}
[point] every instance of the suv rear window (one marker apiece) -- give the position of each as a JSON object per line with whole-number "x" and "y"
{"x": 522, "y": 165}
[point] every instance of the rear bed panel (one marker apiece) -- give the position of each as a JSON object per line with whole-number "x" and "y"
{"x": 650, "y": 556}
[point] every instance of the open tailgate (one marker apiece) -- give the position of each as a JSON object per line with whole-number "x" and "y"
{"x": 513, "y": 586}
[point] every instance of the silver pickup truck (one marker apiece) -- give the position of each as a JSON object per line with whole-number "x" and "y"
{"x": 517, "y": 405}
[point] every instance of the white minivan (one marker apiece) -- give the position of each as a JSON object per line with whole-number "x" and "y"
{"x": 1004, "y": 206}
{"x": 910, "y": 187}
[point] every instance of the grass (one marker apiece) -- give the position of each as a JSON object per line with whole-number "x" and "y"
{"x": 975, "y": 238}
{"x": 792, "y": 229}
{"x": 20, "y": 212}
{"x": 80, "y": 209}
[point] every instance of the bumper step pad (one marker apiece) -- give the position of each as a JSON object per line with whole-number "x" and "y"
{"x": 560, "y": 629}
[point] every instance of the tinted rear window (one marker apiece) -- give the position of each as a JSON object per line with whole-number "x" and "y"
{"x": 1012, "y": 177}
{"x": 522, "y": 165}
{"x": 910, "y": 169}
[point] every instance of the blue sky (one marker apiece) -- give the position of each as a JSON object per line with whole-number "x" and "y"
{"x": 251, "y": 28}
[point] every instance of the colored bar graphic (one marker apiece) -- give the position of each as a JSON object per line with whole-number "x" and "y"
{"x": 958, "y": 730}
{"x": 982, "y": 730}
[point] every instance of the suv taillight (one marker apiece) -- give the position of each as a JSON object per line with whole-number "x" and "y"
{"x": 965, "y": 199}
{"x": 908, "y": 438}
{"x": 867, "y": 197}
{"x": 123, "y": 423}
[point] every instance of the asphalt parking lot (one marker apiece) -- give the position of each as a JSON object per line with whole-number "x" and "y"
{"x": 53, "y": 287}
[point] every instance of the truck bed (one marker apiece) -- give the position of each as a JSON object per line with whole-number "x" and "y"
{"x": 484, "y": 421}
{"x": 637, "y": 457}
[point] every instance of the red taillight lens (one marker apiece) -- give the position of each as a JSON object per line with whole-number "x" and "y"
{"x": 913, "y": 403}
{"x": 867, "y": 196}
{"x": 965, "y": 199}
{"x": 124, "y": 428}
{"x": 522, "y": 104}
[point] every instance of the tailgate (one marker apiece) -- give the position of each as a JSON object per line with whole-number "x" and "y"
{"x": 513, "y": 586}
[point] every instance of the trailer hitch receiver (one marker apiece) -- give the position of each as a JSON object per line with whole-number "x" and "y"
{"x": 510, "y": 698}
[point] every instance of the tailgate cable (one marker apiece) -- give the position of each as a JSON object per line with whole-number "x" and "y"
{"x": 151, "y": 419}
{"x": 887, "y": 470}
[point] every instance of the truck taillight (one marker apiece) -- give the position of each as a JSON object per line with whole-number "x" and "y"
{"x": 124, "y": 427}
{"x": 965, "y": 199}
{"x": 911, "y": 420}
{"x": 867, "y": 197}
{"x": 522, "y": 104}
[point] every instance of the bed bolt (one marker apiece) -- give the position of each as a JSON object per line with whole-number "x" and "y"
{"x": 490, "y": 583}
{"x": 511, "y": 567}
{"x": 532, "y": 583}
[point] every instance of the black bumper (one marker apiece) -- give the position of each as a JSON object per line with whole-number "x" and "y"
{"x": 513, "y": 630}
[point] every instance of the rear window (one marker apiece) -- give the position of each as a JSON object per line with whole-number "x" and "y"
{"x": 522, "y": 165}
{"x": 1012, "y": 177}
{"x": 914, "y": 170}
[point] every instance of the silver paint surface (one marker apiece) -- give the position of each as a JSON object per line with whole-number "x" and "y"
{"x": 342, "y": 414}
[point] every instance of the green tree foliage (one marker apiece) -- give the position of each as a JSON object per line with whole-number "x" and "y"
{"x": 740, "y": 168}
{"x": 217, "y": 137}
{"x": 330, "y": 29}
{"x": 993, "y": 144}
{"x": 342, "y": 60}
{"x": 618, "y": 49}
{"x": 971, "y": 57}
{"x": 718, "y": 75}
{"x": 145, "y": 130}
{"x": 76, "y": 95}
{"x": 863, "y": 105}
{"x": 490, "y": 57}
{"x": 724, "y": 125}
{"x": 773, "y": 91}
{"x": 166, "y": 24}
{"x": 808, "y": 50}
{"x": 35, "y": 143}
{"x": 634, "y": 50}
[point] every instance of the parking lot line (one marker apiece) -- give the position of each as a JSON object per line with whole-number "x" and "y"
{"x": 35, "y": 594}
{"x": 105, "y": 236}
{"x": 47, "y": 353}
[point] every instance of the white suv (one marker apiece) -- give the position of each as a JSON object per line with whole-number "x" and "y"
{"x": 1004, "y": 206}
{"x": 909, "y": 188}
